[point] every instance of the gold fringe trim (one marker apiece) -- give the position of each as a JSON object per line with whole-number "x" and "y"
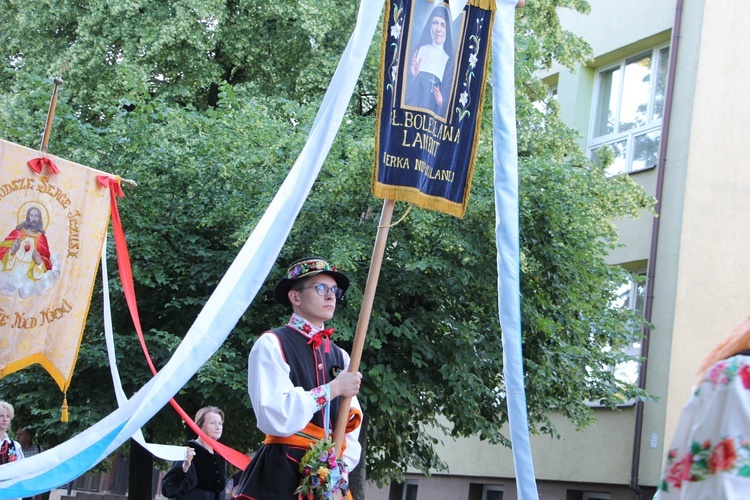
{"x": 483, "y": 4}
{"x": 415, "y": 196}
{"x": 64, "y": 416}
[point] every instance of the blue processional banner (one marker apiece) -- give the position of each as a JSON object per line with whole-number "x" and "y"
{"x": 432, "y": 81}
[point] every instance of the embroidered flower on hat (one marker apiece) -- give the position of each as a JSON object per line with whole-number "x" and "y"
{"x": 308, "y": 266}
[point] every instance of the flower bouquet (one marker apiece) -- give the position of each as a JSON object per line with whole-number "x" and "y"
{"x": 322, "y": 473}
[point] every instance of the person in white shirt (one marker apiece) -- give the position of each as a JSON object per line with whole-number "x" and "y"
{"x": 294, "y": 372}
{"x": 709, "y": 455}
{"x": 25, "y": 436}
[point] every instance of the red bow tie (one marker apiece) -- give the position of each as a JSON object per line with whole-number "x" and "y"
{"x": 317, "y": 339}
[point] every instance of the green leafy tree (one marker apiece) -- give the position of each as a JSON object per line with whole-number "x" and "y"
{"x": 206, "y": 106}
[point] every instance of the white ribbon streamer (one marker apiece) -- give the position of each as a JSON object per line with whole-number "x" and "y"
{"x": 163, "y": 451}
{"x": 507, "y": 235}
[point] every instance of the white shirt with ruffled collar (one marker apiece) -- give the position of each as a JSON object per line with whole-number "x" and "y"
{"x": 282, "y": 409}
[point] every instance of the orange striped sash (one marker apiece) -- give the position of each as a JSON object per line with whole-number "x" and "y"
{"x": 312, "y": 433}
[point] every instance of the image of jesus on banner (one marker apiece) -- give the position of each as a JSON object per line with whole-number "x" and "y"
{"x": 25, "y": 260}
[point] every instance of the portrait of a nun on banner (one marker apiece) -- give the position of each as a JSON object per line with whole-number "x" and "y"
{"x": 433, "y": 73}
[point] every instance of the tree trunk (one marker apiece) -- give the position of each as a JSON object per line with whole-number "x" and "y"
{"x": 140, "y": 472}
{"x": 358, "y": 476}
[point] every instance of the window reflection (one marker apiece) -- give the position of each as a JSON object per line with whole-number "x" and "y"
{"x": 636, "y": 91}
{"x": 646, "y": 150}
{"x": 628, "y": 110}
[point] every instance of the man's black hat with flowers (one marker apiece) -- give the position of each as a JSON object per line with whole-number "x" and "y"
{"x": 305, "y": 268}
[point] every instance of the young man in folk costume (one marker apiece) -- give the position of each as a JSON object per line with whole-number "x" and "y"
{"x": 293, "y": 372}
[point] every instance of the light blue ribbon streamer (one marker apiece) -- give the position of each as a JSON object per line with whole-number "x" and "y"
{"x": 335, "y": 474}
{"x": 70, "y": 467}
{"x": 507, "y": 234}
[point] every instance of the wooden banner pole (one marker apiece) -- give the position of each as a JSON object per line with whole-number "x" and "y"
{"x": 50, "y": 114}
{"x": 364, "y": 316}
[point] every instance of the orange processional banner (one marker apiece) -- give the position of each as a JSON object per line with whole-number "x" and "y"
{"x": 53, "y": 218}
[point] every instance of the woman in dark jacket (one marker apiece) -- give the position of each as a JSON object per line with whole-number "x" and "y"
{"x": 203, "y": 474}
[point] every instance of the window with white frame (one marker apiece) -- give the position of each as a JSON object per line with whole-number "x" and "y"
{"x": 628, "y": 110}
{"x": 631, "y": 295}
{"x": 410, "y": 490}
{"x": 542, "y": 104}
{"x": 492, "y": 492}
{"x": 552, "y": 93}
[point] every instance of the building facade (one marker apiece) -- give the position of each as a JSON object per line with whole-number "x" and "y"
{"x": 664, "y": 92}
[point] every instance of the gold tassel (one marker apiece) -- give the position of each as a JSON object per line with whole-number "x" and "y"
{"x": 64, "y": 416}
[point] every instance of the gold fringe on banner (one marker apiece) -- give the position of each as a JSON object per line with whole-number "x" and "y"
{"x": 483, "y": 4}
{"x": 64, "y": 416}
{"x": 418, "y": 198}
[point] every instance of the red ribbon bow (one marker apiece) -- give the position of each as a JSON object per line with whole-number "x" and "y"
{"x": 36, "y": 165}
{"x": 113, "y": 184}
{"x": 317, "y": 339}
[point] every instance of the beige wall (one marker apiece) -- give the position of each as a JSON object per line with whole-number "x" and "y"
{"x": 713, "y": 290}
{"x": 577, "y": 456}
{"x": 619, "y": 23}
{"x": 617, "y": 29}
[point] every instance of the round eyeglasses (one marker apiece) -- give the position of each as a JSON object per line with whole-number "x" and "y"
{"x": 322, "y": 290}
